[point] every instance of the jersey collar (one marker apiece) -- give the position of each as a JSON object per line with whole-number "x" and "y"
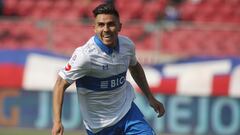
{"x": 104, "y": 47}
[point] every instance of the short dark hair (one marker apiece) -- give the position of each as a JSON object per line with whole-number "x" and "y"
{"x": 105, "y": 8}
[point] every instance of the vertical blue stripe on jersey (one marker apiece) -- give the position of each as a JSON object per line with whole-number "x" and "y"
{"x": 101, "y": 84}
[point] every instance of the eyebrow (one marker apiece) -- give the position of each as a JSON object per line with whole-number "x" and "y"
{"x": 110, "y": 22}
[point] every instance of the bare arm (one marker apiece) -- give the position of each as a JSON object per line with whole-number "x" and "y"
{"x": 58, "y": 94}
{"x": 139, "y": 77}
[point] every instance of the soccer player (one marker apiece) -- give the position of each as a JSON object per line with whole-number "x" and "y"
{"x": 99, "y": 69}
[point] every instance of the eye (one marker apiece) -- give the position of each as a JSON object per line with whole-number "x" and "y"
{"x": 101, "y": 24}
{"x": 111, "y": 24}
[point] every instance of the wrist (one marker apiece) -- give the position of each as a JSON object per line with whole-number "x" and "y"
{"x": 57, "y": 121}
{"x": 150, "y": 97}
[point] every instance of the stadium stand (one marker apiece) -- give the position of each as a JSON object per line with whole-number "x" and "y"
{"x": 58, "y": 25}
{"x": 147, "y": 11}
{"x": 65, "y": 39}
{"x": 217, "y": 11}
{"x": 205, "y": 35}
{"x": 22, "y": 34}
{"x": 199, "y": 40}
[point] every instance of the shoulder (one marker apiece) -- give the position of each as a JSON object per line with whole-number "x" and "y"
{"x": 88, "y": 48}
{"x": 125, "y": 40}
{"x": 82, "y": 54}
{"x": 126, "y": 43}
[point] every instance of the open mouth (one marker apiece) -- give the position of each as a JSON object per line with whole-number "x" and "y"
{"x": 107, "y": 36}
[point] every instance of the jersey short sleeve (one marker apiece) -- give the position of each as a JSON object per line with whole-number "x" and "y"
{"x": 77, "y": 66}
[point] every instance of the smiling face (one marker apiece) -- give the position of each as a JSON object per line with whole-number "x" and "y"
{"x": 107, "y": 27}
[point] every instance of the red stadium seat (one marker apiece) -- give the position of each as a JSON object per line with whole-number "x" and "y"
{"x": 9, "y": 7}
{"x": 153, "y": 10}
{"x": 211, "y": 42}
{"x": 205, "y": 11}
{"x": 25, "y": 7}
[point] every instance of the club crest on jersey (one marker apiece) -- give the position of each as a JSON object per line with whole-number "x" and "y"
{"x": 68, "y": 67}
{"x": 105, "y": 67}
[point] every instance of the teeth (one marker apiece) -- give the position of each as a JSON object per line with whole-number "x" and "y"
{"x": 107, "y": 36}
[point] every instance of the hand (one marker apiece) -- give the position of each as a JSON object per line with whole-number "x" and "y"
{"x": 57, "y": 129}
{"x": 157, "y": 106}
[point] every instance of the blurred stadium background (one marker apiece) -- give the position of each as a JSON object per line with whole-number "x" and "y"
{"x": 189, "y": 48}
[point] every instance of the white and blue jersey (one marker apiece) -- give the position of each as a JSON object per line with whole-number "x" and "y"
{"x": 104, "y": 94}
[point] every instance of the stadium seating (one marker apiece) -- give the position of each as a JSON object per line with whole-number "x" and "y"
{"x": 23, "y": 34}
{"x": 218, "y": 11}
{"x": 49, "y": 9}
{"x": 68, "y": 36}
{"x": 146, "y": 11}
{"x": 201, "y": 41}
{"x": 58, "y": 25}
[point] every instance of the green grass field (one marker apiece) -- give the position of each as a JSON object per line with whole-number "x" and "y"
{"x": 26, "y": 131}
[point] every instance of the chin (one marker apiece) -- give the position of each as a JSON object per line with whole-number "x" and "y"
{"x": 108, "y": 43}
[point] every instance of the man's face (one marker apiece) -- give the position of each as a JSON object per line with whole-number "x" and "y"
{"x": 107, "y": 27}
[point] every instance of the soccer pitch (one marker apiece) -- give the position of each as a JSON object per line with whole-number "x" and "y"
{"x": 27, "y": 131}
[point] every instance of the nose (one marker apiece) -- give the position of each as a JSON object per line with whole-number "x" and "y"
{"x": 106, "y": 28}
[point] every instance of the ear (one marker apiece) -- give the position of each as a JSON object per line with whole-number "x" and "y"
{"x": 94, "y": 28}
{"x": 120, "y": 27}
